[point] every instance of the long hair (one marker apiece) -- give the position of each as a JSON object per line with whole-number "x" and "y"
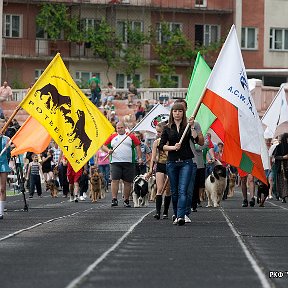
{"x": 177, "y": 106}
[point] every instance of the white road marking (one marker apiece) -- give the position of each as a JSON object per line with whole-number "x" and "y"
{"x": 262, "y": 277}
{"x": 42, "y": 223}
{"x": 91, "y": 267}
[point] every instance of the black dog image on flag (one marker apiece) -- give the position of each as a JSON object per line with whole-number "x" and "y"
{"x": 55, "y": 100}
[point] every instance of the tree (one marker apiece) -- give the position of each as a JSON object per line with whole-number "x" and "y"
{"x": 105, "y": 44}
{"x": 169, "y": 46}
{"x": 134, "y": 51}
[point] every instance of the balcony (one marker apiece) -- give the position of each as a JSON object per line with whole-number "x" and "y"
{"x": 27, "y": 48}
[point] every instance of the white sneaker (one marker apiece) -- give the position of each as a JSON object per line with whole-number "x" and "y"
{"x": 81, "y": 198}
{"x": 187, "y": 219}
{"x": 84, "y": 195}
{"x": 76, "y": 198}
{"x": 71, "y": 199}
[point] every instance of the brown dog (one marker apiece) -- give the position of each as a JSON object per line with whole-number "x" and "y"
{"x": 232, "y": 183}
{"x": 52, "y": 186}
{"x": 95, "y": 187}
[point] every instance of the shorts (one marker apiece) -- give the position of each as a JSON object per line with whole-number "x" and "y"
{"x": 161, "y": 168}
{"x": 73, "y": 176}
{"x": 123, "y": 170}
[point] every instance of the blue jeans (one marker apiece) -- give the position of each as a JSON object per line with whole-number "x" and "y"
{"x": 179, "y": 173}
{"x": 105, "y": 170}
{"x": 191, "y": 189}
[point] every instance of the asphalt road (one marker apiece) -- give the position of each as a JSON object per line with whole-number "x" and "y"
{"x": 66, "y": 245}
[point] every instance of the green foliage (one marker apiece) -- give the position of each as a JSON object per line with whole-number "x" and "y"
{"x": 134, "y": 51}
{"x": 52, "y": 19}
{"x": 171, "y": 48}
{"x": 105, "y": 44}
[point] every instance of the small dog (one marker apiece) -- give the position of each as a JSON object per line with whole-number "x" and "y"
{"x": 152, "y": 188}
{"x": 262, "y": 192}
{"x": 232, "y": 183}
{"x": 95, "y": 187}
{"x": 215, "y": 185}
{"x": 140, "y": 191}
{"x": 53, "y": 186}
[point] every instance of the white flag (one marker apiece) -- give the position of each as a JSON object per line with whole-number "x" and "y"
{"x": 277, "y": 113}
{"x": 156, "y": 115}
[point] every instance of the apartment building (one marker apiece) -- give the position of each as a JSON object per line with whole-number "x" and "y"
{"x": 262, "y": 28}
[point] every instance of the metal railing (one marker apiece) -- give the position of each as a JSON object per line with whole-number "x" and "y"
{"x": 158, "y": 94}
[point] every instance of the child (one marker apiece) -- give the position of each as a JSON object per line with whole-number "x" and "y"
{"x": 33, "y": 173}
{"x": 73, "y": 179}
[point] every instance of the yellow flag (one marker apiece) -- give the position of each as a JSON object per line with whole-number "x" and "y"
{"x": 72, "y": 120}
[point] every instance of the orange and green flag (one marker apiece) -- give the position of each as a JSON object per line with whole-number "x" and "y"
{"x": 72, "y": 120}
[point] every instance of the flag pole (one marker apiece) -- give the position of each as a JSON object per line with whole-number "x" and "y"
{"x": 132, "y": 130}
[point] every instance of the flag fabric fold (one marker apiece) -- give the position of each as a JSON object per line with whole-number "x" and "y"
{"x": 276, "y": 114}
{"x": 72, "y": 120}
{"x": 228, "y": 96}
{"x": 31, "y": 136}
{"x": 200, "y": 75}
{"x": 156, "y": 115}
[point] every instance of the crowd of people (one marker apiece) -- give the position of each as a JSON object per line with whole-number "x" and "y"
{"x": 180, "y": 161}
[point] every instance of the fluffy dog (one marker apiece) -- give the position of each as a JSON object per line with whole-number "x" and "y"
{"x": 104, "y": 190}
{"x": 95, "y": 188}
{"x": 262, "y": 192}
{"x": 140, "y": 191}
{"x": 232, "y": 183}
{"x": 215, "y": 185}
{"x": 53, "y": 186}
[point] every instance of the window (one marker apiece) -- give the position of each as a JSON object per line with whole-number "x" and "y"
{"x": 123, "y": 81}
{"x": 38, "y": 73}
{"x": 122, "y": 29}
{"x": 175, "y": 78}
{"x": 164, "y": 36}
{"x": 278, "y": 39}
{"x": 200, "y": 3}
{"x": 12, "y": 26}
{"x": 82, "y": 78}
{"x": 88, "y": 23}
{"x": 206, "y": 34}
{"x": 249, "y": 38}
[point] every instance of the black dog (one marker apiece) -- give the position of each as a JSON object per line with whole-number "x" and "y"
{"x": 262, "y": 192}
{"x": 140, "y": 191}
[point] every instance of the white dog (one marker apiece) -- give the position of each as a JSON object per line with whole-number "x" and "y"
{"x": 140, "y": 191}
{"x": 215, "y": 185}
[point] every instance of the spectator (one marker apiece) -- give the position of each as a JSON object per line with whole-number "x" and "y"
{"x": 132, "y": 92}
{"x": 5, "y": 92}
{"x": 139, "y": 114}
{"x": 122, "y": 161}
{"x": 110, "y": 94}
{"x": 94, "y": 84}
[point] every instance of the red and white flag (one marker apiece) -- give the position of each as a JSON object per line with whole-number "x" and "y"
{"x": 228, "y": 96}
{"x": 276, "y": 114}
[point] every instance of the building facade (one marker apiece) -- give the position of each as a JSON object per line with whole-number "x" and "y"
{"x": 261, "y": 26}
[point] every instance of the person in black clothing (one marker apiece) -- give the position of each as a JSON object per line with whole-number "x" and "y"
{"x": 179, "y": 164}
